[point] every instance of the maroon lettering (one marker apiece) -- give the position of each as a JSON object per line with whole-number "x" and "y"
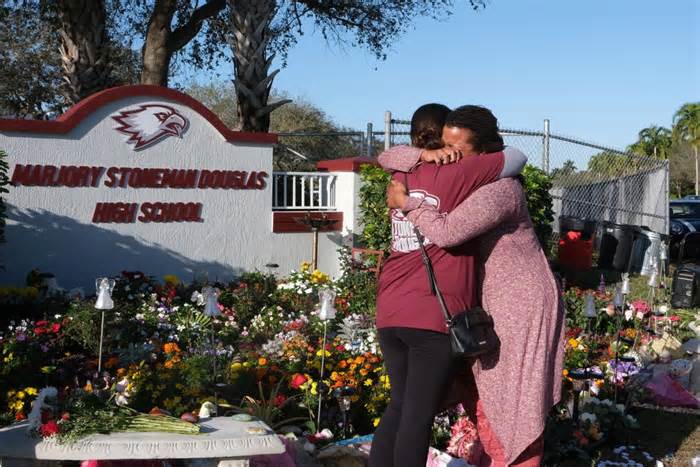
{"x": 252, "y": 181}
{"x": 124, "y": 176}
{"x": 95, "y": 175}
{"x": 83, "y": 176}
{"x": 123, "y": 213}
{"x": 204, "y": 179}
{"x": 111, "y": 177}
{"x": 35, "y": 177}
{"x": 238, "y": 179}
{"x": 48, "y": 177}
{"x": 217, "y": 179}
{"x": 20, "y": 174}
{"x": 262, "y": 183}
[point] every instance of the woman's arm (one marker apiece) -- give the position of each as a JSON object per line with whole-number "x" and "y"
{"x": 486, "y": 208}
{"x": 399, "y": 158}
{"x": 403, "y": 158}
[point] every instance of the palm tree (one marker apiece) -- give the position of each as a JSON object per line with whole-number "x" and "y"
{"x": 85, "y": 48}
{"x": 686, "y": 127}
{"x": 653, "y": 141}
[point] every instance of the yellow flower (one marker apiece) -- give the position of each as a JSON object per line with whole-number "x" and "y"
{"x": 236, "y": 366}
{"x": 20, "y": 395}
{"x": 246, "y": 364}
{"x": 305, "y": 266}
{"x": 171, "y": 279}
{"x": 565, "y": 372}
{"x": 313, "y": 388}
{"x": 573, "y": 343}
{"x": 31, "y": 391}
{"x": 368, "y": 382}
{"x": 375, "y": 422}
{"x": 320, "y": 351}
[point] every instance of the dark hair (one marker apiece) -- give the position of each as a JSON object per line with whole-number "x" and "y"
{"x": 481, "y": 122}
{"x": 426, "y": 126}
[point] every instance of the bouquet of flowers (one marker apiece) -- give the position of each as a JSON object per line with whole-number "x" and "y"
{"x": 84, "y": 413}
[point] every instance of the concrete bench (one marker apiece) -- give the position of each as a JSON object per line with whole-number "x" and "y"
{"x": 223, "y": 442}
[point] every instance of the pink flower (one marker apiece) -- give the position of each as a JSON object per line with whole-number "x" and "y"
{"x": 641, "y": 306}
{"x": 464, "y": 442}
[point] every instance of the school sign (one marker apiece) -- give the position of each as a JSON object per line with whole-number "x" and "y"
{"x": 139, "y": 178}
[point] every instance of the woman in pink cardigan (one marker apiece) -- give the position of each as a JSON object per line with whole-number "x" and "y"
{"x": 518, "y": 387}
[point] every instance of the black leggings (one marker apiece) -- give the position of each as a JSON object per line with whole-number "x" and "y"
{"x": 418, "y": 362}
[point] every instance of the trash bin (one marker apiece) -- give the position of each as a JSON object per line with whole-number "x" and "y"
{"x": 646, "y": 249}
{"x": 616, "y": 246}
{"x": 575, "y": 243}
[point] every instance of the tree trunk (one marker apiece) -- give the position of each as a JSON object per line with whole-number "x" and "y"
{"x": 250, "y": 26}
{"x": 162, "y": 42}
{"x": 85, "y": 48}
{"x": 156, "y": 51}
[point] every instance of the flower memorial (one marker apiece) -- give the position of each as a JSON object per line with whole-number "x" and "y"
{"x": 172, "y": 352}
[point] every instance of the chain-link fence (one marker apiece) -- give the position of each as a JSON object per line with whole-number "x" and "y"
{"x": 590, "y": 181}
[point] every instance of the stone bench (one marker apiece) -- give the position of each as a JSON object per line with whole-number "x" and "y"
{"x": 223, "y": 442}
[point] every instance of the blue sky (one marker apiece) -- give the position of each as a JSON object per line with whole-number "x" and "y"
{"x": 600, "y": 70}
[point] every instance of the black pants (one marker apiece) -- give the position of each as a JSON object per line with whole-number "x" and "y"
{"x": 418, "y": 362}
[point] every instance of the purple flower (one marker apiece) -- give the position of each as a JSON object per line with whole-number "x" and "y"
{"x": 44, "y": 348}
{"x": 21, "y": 337}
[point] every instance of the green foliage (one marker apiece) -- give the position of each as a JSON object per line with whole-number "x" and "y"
{"x": 539, "y": 201}
{"x": 253, "y": 292}
{"x": 376, "y": 233}
{"x": 360, "y": 286}
{"x": 4, "y": 182}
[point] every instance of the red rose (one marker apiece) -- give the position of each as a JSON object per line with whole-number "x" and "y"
{"x": 41, "y": 323}
{"x": 297, "y": 380}
{"x": 55, "y": 328}
{"x": 280, "y": 399}
{"x": 39, "y": 331}
{"x": 49, "y": 428}
{"x": 340, "y": 348}
{"x": 19, "y": 416}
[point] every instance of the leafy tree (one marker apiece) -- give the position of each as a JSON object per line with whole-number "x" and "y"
{"x": 686, "y": 127}
{"x": 654, "y": 141}
{"x": 293, "y": 152}
{"x": 31, "y": 70}
{"x": 567, "y": 169}
{"x": 259, "y": 30}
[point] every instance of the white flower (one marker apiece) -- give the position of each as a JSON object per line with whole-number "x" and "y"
{"x": 588, "y": 417}
{"x": 663, "y": 309}
{"x": 198, "y": 298}
{"x": 629, "y": 313}
{"x": 620, "y": 408}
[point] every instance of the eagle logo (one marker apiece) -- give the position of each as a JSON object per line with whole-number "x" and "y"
{"x": 149, "y": 124}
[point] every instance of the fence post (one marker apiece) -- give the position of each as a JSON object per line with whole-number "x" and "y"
{"x": 545, "y": 147}
{"x": 370, "y": 139}
{"x": 387, "y": 130}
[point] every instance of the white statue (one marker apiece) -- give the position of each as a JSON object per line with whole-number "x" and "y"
{"x": 590, "y": 306}
{"x": 104, "y": 287}
{"x": 211, "y": 305}
{"x": 327, "y": 300}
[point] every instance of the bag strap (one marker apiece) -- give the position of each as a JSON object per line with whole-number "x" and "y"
{"x": 434, "y": 289}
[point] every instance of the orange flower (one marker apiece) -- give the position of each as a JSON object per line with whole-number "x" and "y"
{"x": 262, "y": 361}
{"x": 342, "y": 364}
{"x": 112, "y": 362}
{"x": 171, "y": 347}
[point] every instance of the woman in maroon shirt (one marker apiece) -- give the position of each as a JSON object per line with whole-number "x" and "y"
{"x": 412, "y": 332}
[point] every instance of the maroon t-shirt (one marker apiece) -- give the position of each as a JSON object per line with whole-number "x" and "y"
{"x": 404, "y": 298}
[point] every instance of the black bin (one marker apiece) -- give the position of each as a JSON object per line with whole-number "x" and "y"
{"x": 616, "y": 246}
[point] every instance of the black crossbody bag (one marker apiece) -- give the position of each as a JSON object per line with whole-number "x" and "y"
{"x": 471, "y": 331}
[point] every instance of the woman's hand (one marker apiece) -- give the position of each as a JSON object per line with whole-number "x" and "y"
{"x": 396, "y": 195}
{"x": 446, "y": 155}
